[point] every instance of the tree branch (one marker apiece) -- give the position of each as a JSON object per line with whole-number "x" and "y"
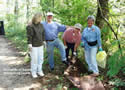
{"x": 115, "y": 34}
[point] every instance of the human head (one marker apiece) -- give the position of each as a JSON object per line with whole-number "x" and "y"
{"x": 90, "y": 20}
{"x": 37, "y": 18}
{"x": 78, "y": 26}
{"x": 49, "y": 16}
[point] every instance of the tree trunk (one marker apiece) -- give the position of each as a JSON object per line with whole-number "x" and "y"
{"x": 27, "y": 13}
{"x": 102, "y": 12}
{"x": 16, "y": 8}
{"x": 16, "y": 14}
{"x": 105, "y": 10}
{"x": 53, "y": 3}
{"x": 8, "y": 8}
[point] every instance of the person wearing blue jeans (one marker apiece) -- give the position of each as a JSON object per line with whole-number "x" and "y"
{"x": 51, "y": 36}
{"x": 91, "y": 40}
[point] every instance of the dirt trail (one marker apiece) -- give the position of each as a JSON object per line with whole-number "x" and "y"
{"x": 14, "y": 74}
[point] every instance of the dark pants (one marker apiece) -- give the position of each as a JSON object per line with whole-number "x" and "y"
{"x": 69, "y": 46}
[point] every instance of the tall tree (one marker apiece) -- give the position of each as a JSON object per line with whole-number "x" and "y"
{"x": 102, "y": 16}
{"x": 16, "y": 7}
{"x": 16, "y": 10}
{"x": 53, "y": 3}
{"x": 103, "y": 9}
{"x": 27, "y": 6}
{"x": 8, "y": 9}
{"x": 7, "y": 4}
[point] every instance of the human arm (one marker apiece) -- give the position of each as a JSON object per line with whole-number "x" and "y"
{"x": 75, "y": 48}
{"x": 99, "y": 39}
{"x": 83, "y": 40}
{"x": 43, "y": 34}
{"x": 77, "y": 43}
{"x": 29, "y": 36}
{"x": 64, "y": 39}
{"x": 61, "y": 28}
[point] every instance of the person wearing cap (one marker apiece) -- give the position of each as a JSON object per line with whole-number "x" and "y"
{"x": 91, "y": 40}
{"x": 72, "y": 39}
{"x": 51, "y": 36}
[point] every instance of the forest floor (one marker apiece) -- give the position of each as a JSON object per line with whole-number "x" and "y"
{"x": 15, "y": 73}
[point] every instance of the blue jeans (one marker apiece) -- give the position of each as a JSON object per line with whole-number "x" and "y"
{"x": 50, "y": 50}
{"x": 90, "y": 57}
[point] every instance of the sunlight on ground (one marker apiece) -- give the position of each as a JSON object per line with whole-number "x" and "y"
{"x": 10, "y": 60}
{"x": 34, "y": 85}
{"x": 3, "y": 58}
{"x": 3, "y": 88}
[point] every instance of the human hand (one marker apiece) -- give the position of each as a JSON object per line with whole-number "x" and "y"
{"x": 74, "y": 53}
{"x": 65, "y": 47}
{"x": 82, "y": 44}
{"x": 30, "y": 47}
{"x": 44, "y": 43}
{"x": 100, "y": 49}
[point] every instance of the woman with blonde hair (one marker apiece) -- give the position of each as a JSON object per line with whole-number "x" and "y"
{"x": 36, "y": 38}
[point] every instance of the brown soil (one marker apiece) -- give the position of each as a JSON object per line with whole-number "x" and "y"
{"x": 15, "y": 73}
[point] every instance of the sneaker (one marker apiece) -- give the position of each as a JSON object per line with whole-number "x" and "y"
{"x": 90, "y": 72}
{"x": 41, "y": 73}
{"x": 95, "y": 74}
{"x": 66, "y": 62}
{"x": 34, "y": 75}
{"x": 51, "y": 69}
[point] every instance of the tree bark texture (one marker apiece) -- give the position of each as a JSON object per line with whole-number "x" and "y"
{"x": 16, "y": 8}
{"x": 28, "y": 6}
{"x": 105, "y": 10}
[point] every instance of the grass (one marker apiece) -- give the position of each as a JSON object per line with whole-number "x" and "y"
{"x": 17, "y": 35}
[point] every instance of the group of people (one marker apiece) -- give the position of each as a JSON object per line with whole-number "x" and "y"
{"x": 41, "y": 32}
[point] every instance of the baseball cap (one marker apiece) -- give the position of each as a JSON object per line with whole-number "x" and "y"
{"x": 49, "y": 14}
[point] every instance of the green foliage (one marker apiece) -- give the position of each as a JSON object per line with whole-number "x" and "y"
{"x": 123, "y": 70}
{"x": 16, "y": 33}
{"x": 45, "y": 3}
{"x": 117, "y": 82}
{"x": 74, "y": 11}
{"x": 114, "y": 88}
{"x": 59, "y": 87}
{"x": 73, "y": 89}
{"x": 100, "y": 78}
{"x": 70, "y": 12}
{"x": 18, "y": 36}
{"x": 115, "y": 63}
{"x": 81, "y": 54}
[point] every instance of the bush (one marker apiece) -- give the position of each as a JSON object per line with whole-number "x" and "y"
{"x": 16, "y": 32}
{"x": 116, "y": 63}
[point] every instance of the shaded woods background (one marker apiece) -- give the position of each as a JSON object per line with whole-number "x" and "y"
{"x": 110, "y": 14}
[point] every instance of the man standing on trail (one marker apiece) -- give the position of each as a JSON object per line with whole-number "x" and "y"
{"x": 51, "y": 36}
{"x": 72, "y": 38}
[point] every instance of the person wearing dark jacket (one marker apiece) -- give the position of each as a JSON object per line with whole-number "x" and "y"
{"x": 36, "y": 38}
